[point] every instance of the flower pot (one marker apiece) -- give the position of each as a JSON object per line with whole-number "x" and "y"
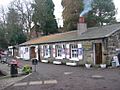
{"x": 87, "y": 65}
{"x": 44, "y": 61}
{"x": 103, "y": 65}
{"x": 71, "y": 63}
{"x": 57, "y": 62}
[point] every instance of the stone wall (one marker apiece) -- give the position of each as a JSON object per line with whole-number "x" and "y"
{"x": 88, "y": 52}
{"x": 113, "y": 43}
{"x": 109, "y": 46}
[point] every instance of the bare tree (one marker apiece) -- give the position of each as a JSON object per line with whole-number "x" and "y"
{"x": 25, "y": 10}
{"x": 3, "y": 21}
{"x": 3, "y": 15}
{"x": 3, "y": 31}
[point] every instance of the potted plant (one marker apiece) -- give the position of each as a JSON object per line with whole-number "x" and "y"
{"x": 103, "y": 65}
{"x": 88, "y": 64}
{"x": 27, "y": 69}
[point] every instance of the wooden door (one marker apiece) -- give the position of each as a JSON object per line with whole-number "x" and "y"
{"x": 98, "y": 53}
{"x": 32, "y": 53}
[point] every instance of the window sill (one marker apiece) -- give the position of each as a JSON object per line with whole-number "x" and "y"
{"x": 44, "y": 61}
{"x": 71, "y": 64}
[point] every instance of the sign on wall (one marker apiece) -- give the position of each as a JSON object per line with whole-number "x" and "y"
{"x": 87, "y": 46}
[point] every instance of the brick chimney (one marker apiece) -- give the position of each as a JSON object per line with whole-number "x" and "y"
{"x": 81, "y": 26}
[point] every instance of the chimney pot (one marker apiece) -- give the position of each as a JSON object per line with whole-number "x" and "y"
{"x": 81, "y": 20}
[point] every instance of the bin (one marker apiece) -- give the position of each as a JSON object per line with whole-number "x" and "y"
{"x": 113, "y": 64}
{"x": 13, "y": 69}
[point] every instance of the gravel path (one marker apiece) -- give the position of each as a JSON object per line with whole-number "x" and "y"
{"x": 61, "y": 77}
{"x": 8, "y": 80}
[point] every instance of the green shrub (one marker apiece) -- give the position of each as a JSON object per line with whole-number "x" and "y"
{"x": 27, "y": 69}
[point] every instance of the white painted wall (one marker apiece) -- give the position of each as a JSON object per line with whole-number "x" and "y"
{"x": 10, "y": 48}
{"x": 26, "y": 55}
{"x": 23, "y": 53}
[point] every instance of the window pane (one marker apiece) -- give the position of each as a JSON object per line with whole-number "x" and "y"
{"x": 59, "y": 50}
{"x": 74, "y": 51}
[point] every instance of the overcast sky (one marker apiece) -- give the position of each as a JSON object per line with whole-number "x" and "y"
{"x": 58, "y": 8}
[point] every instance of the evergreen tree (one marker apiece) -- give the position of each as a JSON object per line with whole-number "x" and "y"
{"x": 43, "y": 16}
{"x": 103, "y": 13}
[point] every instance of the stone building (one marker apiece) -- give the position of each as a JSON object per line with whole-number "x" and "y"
{"x": 95, "y": 45}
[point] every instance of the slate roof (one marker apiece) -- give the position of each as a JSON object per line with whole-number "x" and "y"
{"x": 91, "y": 33}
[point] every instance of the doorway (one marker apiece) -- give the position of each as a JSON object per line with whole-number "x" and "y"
{"x": 32, "y": 53}
{"x": 98, "y": 53}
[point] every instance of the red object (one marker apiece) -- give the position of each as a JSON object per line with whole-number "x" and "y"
{"x": 14, "y": 62}
{"x": 81, "y": 20}
{"x": 2, "y": 53}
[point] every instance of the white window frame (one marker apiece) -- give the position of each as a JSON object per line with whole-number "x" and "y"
{"x": 74, "y": 52}
{"x": 59, "y": 51}
{"x": 46, "y": 51}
